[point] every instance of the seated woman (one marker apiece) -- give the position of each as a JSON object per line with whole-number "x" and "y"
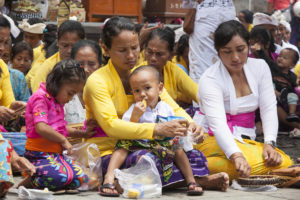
{"x": 229, "y": 93}
{"x": 69, "y": 32}
{"x": 158, "y": 53}
{"x": 108, "y": 96}
{"x": 88, "y": 54}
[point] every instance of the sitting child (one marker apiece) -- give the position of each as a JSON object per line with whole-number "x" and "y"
{"x": 146, "y": 88}
{"x": 285, "y": 82}
{"x": 47, "y": 132}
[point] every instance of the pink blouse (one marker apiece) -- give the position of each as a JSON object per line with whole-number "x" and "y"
{"x": 42, "y": 107}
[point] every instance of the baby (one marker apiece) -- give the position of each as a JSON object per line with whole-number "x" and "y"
{"x": 146, "y": 88}
{"x": 285, "y": 82}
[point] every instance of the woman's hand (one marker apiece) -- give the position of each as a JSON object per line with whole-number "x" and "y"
{"x": 271, "y": 156}
{"x": 171, "y": 128}
{"x": 91, "y": 124}
{"x": 6, "y": 114}
{"x": 197, "y": 132}
{"x": 21, "y": 163}
{"x": 241, "y": 165}
{"x": 17, "y": 105}
{"x": 145, "y": 32}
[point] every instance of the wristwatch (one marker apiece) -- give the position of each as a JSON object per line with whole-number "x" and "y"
{"x": 272, "y": 143}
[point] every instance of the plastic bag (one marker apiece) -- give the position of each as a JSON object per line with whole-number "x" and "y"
{"x": 141, "y": 180}
{"x": 35, "y": 194}
{"x": 87, "y": 155}
{"x": 267, "y": 188}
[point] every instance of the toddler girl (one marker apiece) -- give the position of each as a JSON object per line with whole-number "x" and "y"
{"x": 146, "y": 88}
{"x": 47, "y": 132}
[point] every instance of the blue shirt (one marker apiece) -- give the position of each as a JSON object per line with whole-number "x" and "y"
{"x": 19, "y": 85}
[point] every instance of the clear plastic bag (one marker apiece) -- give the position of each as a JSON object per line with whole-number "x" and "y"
{"x": 141, "y": 180}
{"x": 87, "y": 155}
{"x": 33, "y": 194}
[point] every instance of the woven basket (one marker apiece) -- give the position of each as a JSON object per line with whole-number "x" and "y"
{"x": 259, "y": 180}
{"x": 73, "y": 140}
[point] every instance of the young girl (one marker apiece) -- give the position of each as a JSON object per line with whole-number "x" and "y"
{"x": 146, "y": 87}
{"x": 47, "y": 132}
{"x": 21, "y": 57}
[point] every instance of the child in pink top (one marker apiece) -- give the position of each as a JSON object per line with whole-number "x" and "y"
{"x": 47, "y": 132}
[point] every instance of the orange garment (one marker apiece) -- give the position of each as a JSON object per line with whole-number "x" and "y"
{"x": 42, "y": 145}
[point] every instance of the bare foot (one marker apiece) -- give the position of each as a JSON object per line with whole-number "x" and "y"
{"x": 109, "y": 186}
{"x": 219, "y": 181}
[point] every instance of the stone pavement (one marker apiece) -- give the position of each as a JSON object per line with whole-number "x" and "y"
{"x": 179, "y": 194}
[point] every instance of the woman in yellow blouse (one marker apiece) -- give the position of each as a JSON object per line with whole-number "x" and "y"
{"x": 182, "y": 53}
{"x": 43, "y": 52}
{"x": 158, "y": 53}
{"x": 68, "y": 34}
{"x": 107, "y": 96}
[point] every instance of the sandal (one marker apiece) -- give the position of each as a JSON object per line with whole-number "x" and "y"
{"x": 193, "y": 191}
{"x": 72, "y": 191}
{"x": 110, "y": 186}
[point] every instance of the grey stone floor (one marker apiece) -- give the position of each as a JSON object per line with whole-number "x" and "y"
{"x": 179, "y": 194}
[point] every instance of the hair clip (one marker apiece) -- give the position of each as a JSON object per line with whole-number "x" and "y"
{"x": 45, "y": 30}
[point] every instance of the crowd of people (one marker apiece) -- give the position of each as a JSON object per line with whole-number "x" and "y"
{"x": 139, "y": 90}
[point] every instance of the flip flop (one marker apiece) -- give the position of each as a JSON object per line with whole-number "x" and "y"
{"x": 110, "y": 186}
{"x": 72, "y": 191}
{"x": 193, "y": 192}
{"x": 59, "y": 192}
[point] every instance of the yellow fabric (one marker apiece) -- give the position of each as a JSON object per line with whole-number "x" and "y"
{"x": 141, "y": 58}
{"x": 37, "y": 51}
{"x": 297, "y": 70}
{"x": 35, "y": 66}
{"x": 181, "y": 62}
{"x": 6, "y": 92}
{"x": 178, "y": 84}
{"x": 43, "y": 71}
{"x": 106, "y": 102}
{"x": 1, "y": 135}
{"x": 250, "y": 27}
{"x": 252, "y": 150}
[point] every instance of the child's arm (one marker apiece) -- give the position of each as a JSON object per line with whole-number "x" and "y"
{"x": 138, "y": 111}
{"x": 49, "y": 133}
{"x": 87, "y": 133}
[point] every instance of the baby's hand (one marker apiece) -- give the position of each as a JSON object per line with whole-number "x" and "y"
{"x": 67, "y": 146}
{"x": 91, "y": 124}
{"x": 137, "y": 111}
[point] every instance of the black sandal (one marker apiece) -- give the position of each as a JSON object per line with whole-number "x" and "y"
{"x": 107, "y": 194}
{"x": 193, "y": 192}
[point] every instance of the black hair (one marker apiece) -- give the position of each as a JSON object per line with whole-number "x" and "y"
{"x": 182, "y": 44}
{"x": 248, "y": 16}
{"x": 87, "y": 43}
{"x": 66, "y": 71}
{"x": 227, "y": 30}
{"x": 114, "y": 27}
{"x": 146, "y": 67}
{"x": 166, "y": 34}
{"x": 20, "y": 47}
{"x": 264, "y": 36}
{"x": 295, "y": 55}
{"x": 4, "y": 23}
{"x": 49, "y": 37}
{"x": 32, "y": 21}
{"x": 71, "y": 26}
{"x": 138, "y": 27}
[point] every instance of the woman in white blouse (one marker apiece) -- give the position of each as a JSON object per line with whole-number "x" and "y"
{"x": 229, "y": 93}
